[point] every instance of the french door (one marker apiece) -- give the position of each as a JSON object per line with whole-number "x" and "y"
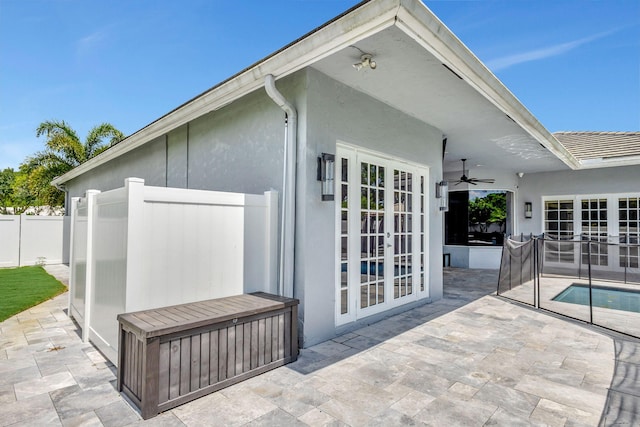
{"x": 604, "y": 218}
{"x": 380, "y": 242}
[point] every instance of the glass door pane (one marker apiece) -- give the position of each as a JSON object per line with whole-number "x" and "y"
{"x": 402, "y": 233}
{"x": 372, "y": 234}
{"x": 594, "y": 229}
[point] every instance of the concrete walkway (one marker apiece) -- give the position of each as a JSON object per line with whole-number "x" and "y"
{"x": 469, "y": 359}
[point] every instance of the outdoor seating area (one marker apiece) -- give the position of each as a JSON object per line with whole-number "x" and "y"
{"x": 470, "y": 358}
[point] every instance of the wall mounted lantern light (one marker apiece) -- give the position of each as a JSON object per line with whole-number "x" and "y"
{"x": 442, "y": 193}
{"x": 528, "y": 209}
{"x": 326, "y": 173}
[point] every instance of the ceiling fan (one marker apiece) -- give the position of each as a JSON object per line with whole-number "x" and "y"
{"x": 473, "y": 181}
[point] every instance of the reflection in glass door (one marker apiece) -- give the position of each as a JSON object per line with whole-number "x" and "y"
{"x": 372, "y": 234}
{"x": 402, "y": 233}
{"x": 594, "y": 229}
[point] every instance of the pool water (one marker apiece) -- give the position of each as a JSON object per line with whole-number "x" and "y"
{"x": 602, "y": 296}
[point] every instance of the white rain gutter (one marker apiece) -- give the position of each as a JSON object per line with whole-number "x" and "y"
{"x": 288, "y": 223}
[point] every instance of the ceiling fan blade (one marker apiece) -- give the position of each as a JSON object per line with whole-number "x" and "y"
{"x": 487, "y": 181}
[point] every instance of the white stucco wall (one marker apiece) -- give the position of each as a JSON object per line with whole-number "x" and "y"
{"x": 533, "y": 187}
{"x": 338, "y": 113}
{"x": 146, "y": 162}
{"x": 238, "y": 148}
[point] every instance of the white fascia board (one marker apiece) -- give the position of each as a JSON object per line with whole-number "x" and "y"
{"x": 419, "y": 23}
{"x": 610, "y": 162}
{"x": 370, "y": 18}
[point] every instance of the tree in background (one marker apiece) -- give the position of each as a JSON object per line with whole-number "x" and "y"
{"x": 7, "y": 178}
{"x": 15, "y": 196}
{"x": 490, "y": 209}
{"x": 63, "y": 151}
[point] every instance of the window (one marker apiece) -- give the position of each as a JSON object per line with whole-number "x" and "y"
{"x": 594, "y": 228}
{"x": 629, "y": 230}
{"x": 558, "y": 220}
{"x": 608, "y": 219}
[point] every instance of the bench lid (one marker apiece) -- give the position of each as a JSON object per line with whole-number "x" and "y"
{"x": 181, "y": 317}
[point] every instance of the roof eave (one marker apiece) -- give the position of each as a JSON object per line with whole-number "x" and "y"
{"x": 411, "y": 16}
{"x": 419, "y": 23}
{"x": 321, "y": 42}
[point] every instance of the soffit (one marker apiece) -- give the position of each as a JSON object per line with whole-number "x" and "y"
{"x": 414, "y": 81}
{"x": 408, "y": 78}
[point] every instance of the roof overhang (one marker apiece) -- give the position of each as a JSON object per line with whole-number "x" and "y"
{"x": 479, "y": 96}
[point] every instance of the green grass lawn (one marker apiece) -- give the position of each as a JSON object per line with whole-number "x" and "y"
{"x": 24, "y": 287}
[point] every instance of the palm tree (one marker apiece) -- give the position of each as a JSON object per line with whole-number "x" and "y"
{"x": 64, "y": 151}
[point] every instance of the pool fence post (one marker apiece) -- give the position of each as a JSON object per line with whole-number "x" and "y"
{"x": 536, "y": 292}
{"x": 590, "y": 290}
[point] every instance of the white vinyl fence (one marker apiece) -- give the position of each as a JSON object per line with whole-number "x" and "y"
{"x": 139, "y": 247}
{"x": 33, "y": 239}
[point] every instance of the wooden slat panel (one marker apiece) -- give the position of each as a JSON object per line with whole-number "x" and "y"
{"x": 143, "y": 319}
{"x": 213, "y": 357}
{"x": 246, "y": 347}
{"x": 261, "y": 343}
{"x": 287, "y": 334}
{"x": 195, "y": 363}
{"x": 281, "y": 336}
{"x": 174, "y": 371}
{"x": 222, "y": 354}
{"x": 185, "y": 312}
{"x": 139, "y": 369}
{"x": 275, "y": 330}
{"x": 205, "y": 358}
{"x": 163, "y": 382}
{"x": 180, "y": 317}
{"x": 239, "y": 348}
{"x": 253, "y": 347}
{"x": 131, "y": 359}
{"x": 127, "y": 359}
{"x": 268, "y": 340}
{"x": 231, "y": 351}
{"x": 150, "y": 361}
{"x": 185, "y": 362}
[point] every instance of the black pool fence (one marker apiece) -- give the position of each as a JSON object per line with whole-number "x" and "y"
{"x": 583, "y": 277}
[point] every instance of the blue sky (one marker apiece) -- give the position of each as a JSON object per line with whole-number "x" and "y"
{"x": 575, "y": 64}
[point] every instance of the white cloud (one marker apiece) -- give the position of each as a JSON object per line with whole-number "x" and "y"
{"x": 543, "y": 53}
{"x": 88, "y": 43}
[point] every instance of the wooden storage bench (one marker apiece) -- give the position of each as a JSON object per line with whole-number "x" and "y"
{"x": 172, "y": 355}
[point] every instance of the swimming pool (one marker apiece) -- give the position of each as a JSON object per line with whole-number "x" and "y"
{"x": 602, "y": 296}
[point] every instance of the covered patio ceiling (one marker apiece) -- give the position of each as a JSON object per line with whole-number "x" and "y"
{"x": 412, "y": 80}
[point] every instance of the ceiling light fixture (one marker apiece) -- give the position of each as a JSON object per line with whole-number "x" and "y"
{"x": 366, "y": 60}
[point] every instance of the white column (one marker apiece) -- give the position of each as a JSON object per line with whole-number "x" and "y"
{"x": 135, "y": 237}
{"x": 89, "y": 281}
{"x": 72, "y": 278}
{"x": 271, "y": 240}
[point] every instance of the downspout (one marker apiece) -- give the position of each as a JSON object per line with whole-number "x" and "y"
{"x": 63, "y": 188}
{"x": 288, "y": 223}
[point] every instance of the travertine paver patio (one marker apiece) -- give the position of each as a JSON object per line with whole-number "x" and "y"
{"x": 469, "y": 359}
